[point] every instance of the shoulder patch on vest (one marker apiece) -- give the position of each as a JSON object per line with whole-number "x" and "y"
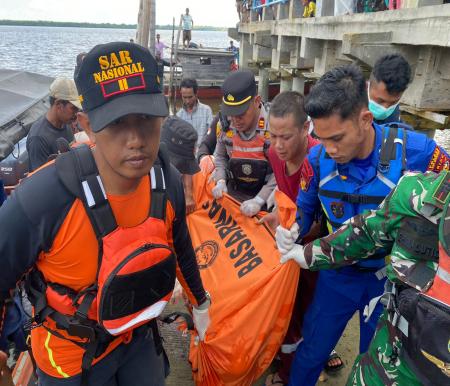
{"x": 439, "y": 161}
{"x": 261, "y": 123}
{"x": 442, "y": 192}
{"x": 338, "y": 209}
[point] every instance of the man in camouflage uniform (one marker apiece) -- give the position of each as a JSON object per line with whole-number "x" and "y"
{"x": 412, "y": 342}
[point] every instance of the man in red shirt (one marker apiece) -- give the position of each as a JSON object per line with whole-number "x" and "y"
{"x": 290, "y": 143}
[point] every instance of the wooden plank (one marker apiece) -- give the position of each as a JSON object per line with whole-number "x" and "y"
{"x": 143, "y": 27}
{"x": 439, "y": 118}
{"x": 311, "y": 75}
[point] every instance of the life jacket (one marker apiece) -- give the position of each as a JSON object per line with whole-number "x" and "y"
{"x": 136, "y": 266}
{"x": 399, "y": 124}
{"x": 248, "y": 165}
{"x": 342, "y": 199}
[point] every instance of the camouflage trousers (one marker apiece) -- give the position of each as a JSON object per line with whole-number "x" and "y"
{"x": 382, "y": 365}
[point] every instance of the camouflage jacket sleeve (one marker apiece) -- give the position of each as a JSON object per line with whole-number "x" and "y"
{"x": 363, "y": 235}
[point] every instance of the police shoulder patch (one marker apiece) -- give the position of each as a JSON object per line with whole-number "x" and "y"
{"x": 337, "y": 208}
{"x": 261, "y": 123}
{"x": 439, "y": 161}
{"x": 304, "y": 183}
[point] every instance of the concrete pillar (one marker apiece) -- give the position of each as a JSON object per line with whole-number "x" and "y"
{"x": 298, "y": 84}
{"x": 262, "y": 47}
{"x": 330, "y": 57}
{"x": 420, "y": 3}
{"x": 282, "y": 47}
{"x": 282, "y": 12}
{"x": 263, "y": 84}
{"x": 245, "y": 51}
{"x": 285, "y": 84}
{"x": 431, "y": 85}
{"x": 269, "y": 13}
{"x": 324, "y": 8}
{"x": 296, "y": 9}
{"x": 253, "y": 15}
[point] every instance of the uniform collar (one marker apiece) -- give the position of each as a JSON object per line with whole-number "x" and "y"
{"x": 260, "y": 125}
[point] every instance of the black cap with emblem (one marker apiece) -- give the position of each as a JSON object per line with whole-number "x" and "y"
{"x": 238, "y": 90}
{"x": 180, "y": 138}
{"x": 117, "y": 79}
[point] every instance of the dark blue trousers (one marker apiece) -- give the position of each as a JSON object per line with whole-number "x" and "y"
{"x": 339, "y": 294}
{"x": 135, "y": 363}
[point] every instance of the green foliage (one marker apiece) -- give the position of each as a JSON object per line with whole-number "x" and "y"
{"x": 44, "y": 23}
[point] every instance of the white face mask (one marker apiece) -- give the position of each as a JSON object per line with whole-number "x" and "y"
{"x": 380, "y": 112}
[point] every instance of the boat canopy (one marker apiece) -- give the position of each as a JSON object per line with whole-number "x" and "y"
{"x": 23, "y": 99}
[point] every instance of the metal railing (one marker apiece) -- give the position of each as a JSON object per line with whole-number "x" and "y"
{"x": 265, "y": 3}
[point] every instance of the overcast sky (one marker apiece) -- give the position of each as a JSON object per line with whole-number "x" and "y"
{"x": 221, "y": 13}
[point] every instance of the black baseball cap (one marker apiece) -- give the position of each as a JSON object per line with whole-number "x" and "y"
{"x": 117, "y": 79}
{"x": 180, "y": 138}
{"x": 238, "y": 90}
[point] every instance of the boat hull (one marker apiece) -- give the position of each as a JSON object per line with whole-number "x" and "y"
{"x": 215, "y": 92}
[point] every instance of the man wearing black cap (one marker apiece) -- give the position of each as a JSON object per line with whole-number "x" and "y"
{"x": 100, "y": 232}
{"x": 180, "y": 138}
{"x": 242, "y": 148}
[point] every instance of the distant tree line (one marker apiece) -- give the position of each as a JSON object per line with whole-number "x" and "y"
{"x": 44, "y": 23}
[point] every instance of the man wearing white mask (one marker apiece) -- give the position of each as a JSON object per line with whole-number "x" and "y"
{"x": 389, "y": 79}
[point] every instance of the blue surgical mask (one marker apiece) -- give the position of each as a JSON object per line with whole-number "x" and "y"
{"x": 379, "y": 112}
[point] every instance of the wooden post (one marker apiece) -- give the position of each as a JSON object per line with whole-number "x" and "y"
{"x": 152, "y": 35}
{"x": 143, "y": 29}
{"x": 172, "y": 66}
{"x": 174, "y": 55}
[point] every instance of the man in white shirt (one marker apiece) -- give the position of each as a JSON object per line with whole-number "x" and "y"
{"x": 193, "y": 111}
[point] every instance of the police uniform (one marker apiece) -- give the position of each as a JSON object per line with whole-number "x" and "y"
{"x": 410, "y": 346}
{"x": 241, "y": 158}
{"x": 343, "y": 191}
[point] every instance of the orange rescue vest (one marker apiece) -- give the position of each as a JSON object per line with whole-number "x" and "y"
{"x": 136, "y": 266}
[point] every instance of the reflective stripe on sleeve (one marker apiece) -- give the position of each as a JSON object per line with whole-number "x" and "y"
{"x": 51, "y": 359}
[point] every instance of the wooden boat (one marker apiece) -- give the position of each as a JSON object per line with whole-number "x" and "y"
{"x": 23, "y": 99}
{"x": 210, "y": 67}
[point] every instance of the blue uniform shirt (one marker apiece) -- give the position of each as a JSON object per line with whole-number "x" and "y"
{"x": 422, "y": 154}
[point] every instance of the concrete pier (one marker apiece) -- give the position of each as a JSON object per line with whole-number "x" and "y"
{"x": 298, "y": 50}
